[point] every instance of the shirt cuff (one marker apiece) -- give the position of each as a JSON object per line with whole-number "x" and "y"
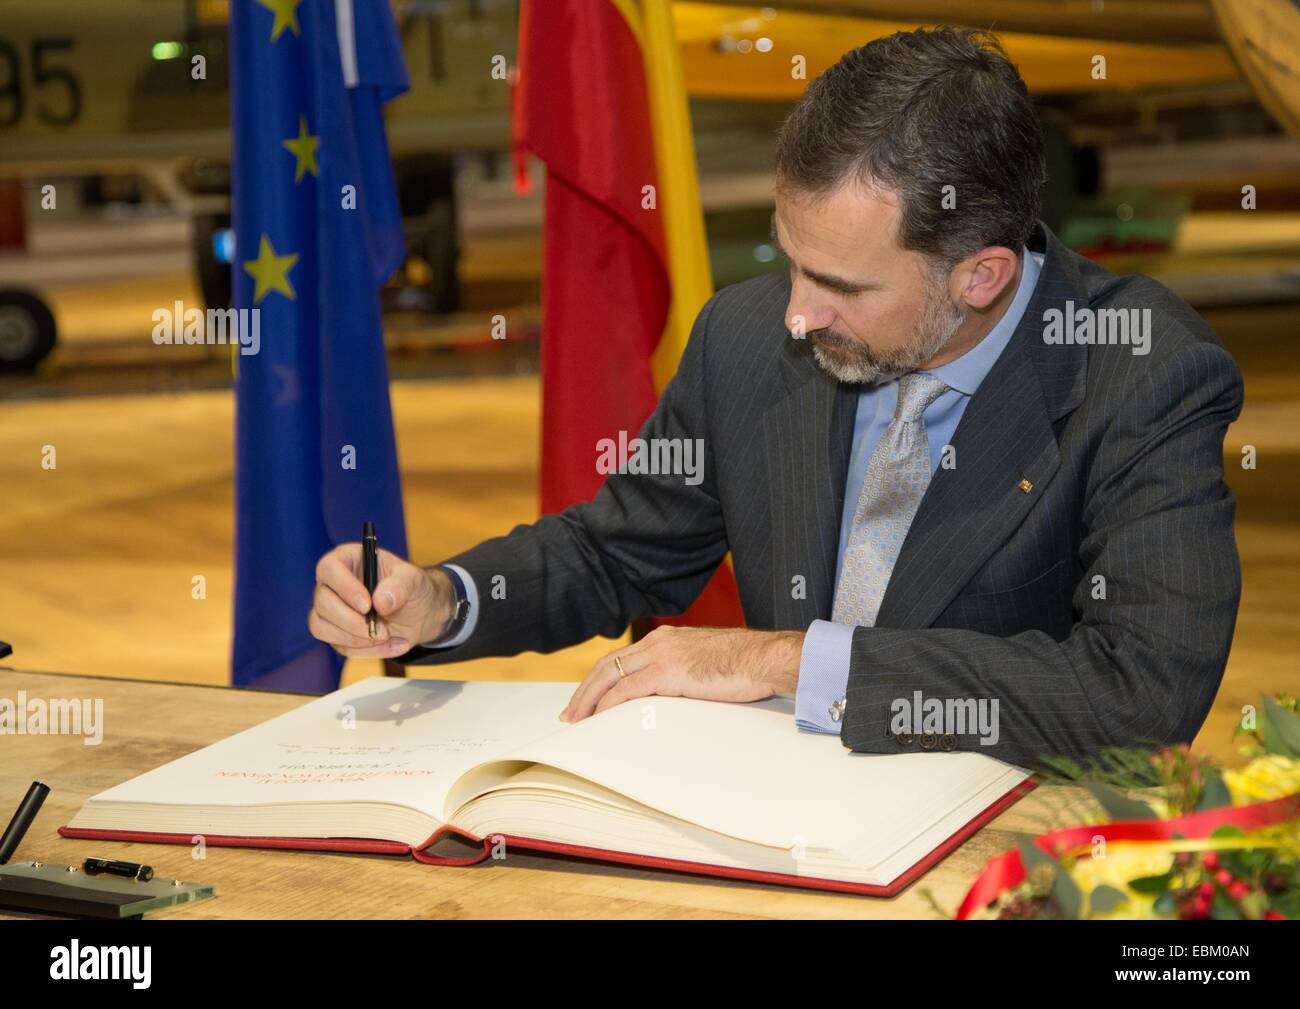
{"x": 823, "y": 675}
{"x": 471, "y": 593}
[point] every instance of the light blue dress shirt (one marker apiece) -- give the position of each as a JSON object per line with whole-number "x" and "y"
{"x": 824, "y": 663}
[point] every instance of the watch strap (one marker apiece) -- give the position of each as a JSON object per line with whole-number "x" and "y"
{"x": 460, "y": 611}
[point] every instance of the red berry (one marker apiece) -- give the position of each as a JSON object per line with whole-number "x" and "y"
{"x": 1210, "y": 860}
{"x": 1223, "y": 877}
{"x": 1274, "y": 916}
{"x": 1238, "y": 890}
{"x": 1206, "y": 890}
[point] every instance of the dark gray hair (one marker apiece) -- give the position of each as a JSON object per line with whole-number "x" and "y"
{"x": 914, "y": 112}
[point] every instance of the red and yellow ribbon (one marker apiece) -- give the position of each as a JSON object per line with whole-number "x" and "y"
{"x": 1006, "y": 870}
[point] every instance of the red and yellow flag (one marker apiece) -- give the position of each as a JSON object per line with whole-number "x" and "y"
{"x": 601, "y": 102}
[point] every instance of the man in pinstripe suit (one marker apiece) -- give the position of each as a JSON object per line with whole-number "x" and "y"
{"x": 967, "y": 508}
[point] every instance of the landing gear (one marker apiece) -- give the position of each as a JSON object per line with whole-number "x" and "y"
{"x": 27, "y": 330}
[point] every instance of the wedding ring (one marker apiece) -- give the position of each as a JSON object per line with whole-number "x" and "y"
{"x": 619, "y": 663}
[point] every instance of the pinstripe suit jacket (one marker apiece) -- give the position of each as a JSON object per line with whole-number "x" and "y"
{"x": 1078, "y": 564}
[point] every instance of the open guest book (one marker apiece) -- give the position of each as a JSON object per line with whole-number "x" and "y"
{"x": 698, "y": 786}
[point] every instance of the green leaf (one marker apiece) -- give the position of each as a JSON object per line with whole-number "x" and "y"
{"x": 1033, "y": 857}
{"x": 1069, "y": 898}
{"x": 1287, "y": 903}
{"x": 1165, "y": 903}
{"x": 1065, "y": 892}
{"x": 1282, "y": 729}
{"x": 1254, "y": 861}
{"x": 1151, "y": 884}
{"x": 1215, "y": 794}
{"x": 1242, "y": 862}
{"x": 1224, "y": 907}
{"x": 1120, "y": 807}
{"x": 1228, "y": 830}
{"x": 1104, "y": 899}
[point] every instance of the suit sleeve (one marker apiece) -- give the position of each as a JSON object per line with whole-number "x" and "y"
{"x": 646, "y": 545}
{"x": 1142, "y": 665}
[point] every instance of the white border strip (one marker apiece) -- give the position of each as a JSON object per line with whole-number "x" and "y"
{"x": 347, "y": 41}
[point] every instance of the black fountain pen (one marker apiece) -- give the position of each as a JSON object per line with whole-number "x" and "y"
{"x": 370, "y": 573}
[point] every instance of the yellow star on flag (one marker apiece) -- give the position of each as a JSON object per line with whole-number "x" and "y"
{"x": 303, "y": 147}
{"x": 286, "y": 16}
{"x": 270, "y": 272}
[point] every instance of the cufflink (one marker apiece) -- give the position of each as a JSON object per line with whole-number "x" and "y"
{"x": 836, "y": 710}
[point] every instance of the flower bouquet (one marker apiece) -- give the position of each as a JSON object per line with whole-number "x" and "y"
{"x": 1178, "y": 837}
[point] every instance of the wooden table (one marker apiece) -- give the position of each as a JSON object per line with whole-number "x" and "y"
{"x": 146, "y": 724}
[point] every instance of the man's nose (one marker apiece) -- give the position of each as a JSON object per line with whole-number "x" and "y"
{"x": 806, "y": 312}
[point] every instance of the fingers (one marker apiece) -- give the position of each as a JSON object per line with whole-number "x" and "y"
{"x": 594, "y": 683}
{"x": 340, "y": 620}
{"x": 356, "y": 645}
{"x": 630, "y": 687}
{"x": 342, "y": 624}
{"x": 341, "y": 604}
{"x": 340, "y": 570}
{"x": 399, "y": 585}
{"x": 603, "y": 677}
{"x": 715, "y": 664}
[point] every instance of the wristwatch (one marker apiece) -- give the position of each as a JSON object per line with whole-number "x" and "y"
{"x": 460, "y": 610}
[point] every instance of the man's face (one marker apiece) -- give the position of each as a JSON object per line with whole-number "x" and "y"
{"x": 871, "y": 309}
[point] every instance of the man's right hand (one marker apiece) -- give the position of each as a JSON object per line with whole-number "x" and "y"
{"x": 414, "y": 605}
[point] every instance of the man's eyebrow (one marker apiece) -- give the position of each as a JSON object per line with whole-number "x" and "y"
{"x": 821, "y": 279}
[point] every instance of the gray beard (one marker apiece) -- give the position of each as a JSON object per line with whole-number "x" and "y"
{"x": 855, "y": 363}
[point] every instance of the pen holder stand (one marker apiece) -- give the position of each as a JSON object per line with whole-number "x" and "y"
{"x": 67, "y": 892}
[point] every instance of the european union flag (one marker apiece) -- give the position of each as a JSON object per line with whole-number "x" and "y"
{"x": 317, "y": 231}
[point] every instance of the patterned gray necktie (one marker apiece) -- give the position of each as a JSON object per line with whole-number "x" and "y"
{"x": 897, "y": 476}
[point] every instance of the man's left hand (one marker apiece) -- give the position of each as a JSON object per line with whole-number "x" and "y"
{"x": 709, "y": 663}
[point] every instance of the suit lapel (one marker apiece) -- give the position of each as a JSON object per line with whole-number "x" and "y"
{"x": 1006, "y": 455}
{"x": 808, "y": 436}
{"x": 1003, "y": 444}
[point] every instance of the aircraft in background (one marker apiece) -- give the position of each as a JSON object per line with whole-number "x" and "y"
{"x": 91, "y": 93}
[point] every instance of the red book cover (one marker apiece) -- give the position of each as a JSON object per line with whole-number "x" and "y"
{"x": 422, "y": 854}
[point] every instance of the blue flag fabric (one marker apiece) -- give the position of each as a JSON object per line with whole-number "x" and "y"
{"x": 317, "y": 231}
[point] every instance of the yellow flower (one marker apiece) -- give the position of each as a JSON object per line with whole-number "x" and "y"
{"x": 1117, "y": 864}
{"x": 1264, "y": 778}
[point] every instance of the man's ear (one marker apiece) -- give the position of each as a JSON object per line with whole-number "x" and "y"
{"x": 978, "y": 280}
